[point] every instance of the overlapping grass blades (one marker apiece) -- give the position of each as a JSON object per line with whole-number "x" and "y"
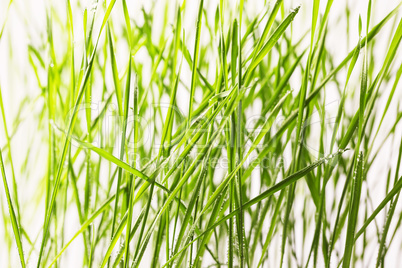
{"x": 203, "y": 148}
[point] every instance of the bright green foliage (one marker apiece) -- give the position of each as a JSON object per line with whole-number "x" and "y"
{"x": 207, "y": 133}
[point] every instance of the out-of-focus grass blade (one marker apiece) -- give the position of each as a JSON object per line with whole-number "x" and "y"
{"x": 89, "y": 221}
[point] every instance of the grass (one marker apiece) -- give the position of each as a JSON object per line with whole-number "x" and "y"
{"x": 201, "y": 134}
